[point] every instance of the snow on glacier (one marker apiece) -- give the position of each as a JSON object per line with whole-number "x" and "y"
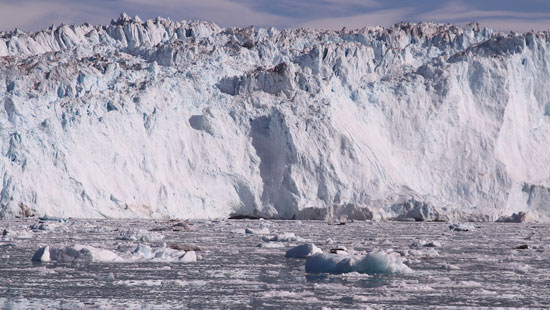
{"x": 159, "y": 118}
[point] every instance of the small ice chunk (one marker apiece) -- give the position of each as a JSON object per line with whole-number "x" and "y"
{"x": 285, "y": 237}
{"x": 188, "y": 257}
{"x": 447, "y": 266}
{"x": 77, "y": 253}
{"x": 372, "y": 263}
{"x": 424, "y": 243}
{"x": 52, "y": 219}
{"x": 462, "y": 227}
{"x": 257, "y": 231}
{"x": 182, "y": 246}
{"x": 426, "y": 252}
{"x": 271, "y": 245}
{"x": 140, "y": 235}
{"x": 339, "y": 250}
{"x": 303, "y": 251}
{"x": 43, "y": 226}
{"x": 433, "y": 244}
{"x": 520, "y": 217}
{"x": 183, "y": 227}
{"x": 42, "y": 255}
{"x": 22, "y": 234}
{"x": 469, "y": 284}
{"x": 380, "y": 262}
{"x": 160, "y": 254}
{"x": 96, "y": 254}
{"x": 143, "y": 251}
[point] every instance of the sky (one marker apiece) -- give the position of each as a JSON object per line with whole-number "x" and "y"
{"x": 505, "y": 15}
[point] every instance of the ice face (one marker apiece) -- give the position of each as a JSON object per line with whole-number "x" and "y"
{"x": 156, "y": 118}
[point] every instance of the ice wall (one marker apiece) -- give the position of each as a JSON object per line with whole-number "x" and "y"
{"x": 184, "y": 119}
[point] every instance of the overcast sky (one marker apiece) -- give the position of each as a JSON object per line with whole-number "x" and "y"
{"x": 520, "y": 15}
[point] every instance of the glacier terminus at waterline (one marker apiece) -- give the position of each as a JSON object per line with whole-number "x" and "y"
{"x": 165, "y": 119}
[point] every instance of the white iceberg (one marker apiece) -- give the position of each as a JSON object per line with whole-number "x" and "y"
{"x": 303, "y": 251}
{"x": 284, "y": 237}
{"x": 75, "y": 253}
{"x": 372, "y": 263}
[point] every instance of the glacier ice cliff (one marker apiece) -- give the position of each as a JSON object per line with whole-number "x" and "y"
{"x": 159, "y": 119}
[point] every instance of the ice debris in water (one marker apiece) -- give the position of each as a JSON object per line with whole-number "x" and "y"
{"x": 43, "y": 226}
{"x": 257, "y": 231}
{"x": 520, "y": 217}
{"x": 284, "y": 237}
{"x": 144, "y": 252}
{"x": 75, "y": 253}
{"x": 303, "y": 251}
{"x": 188, "y": 257}
{"x": 271, "y": 245}
{"x": 462, "y": 227}
{"x": 140, "y": 235}
{"x": 42, "y": 255}
{"x": 424, "y": 243}
{"x": 86, "y": 253}
{"x": 182, "y": 246}
{"x": 372, "y": 263}
{"x": 52, "y": 219}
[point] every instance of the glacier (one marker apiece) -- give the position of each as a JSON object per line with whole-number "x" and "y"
{"x": 185, "y": 119}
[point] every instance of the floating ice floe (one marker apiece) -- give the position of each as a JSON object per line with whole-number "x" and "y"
{"x": 52, "y": 219}
{"x": 182, "y": 246}
{"x": 144, "y": 253}
{"x": 423, "y": 252}
{"x": 284, "y": 237}
{"x": 141, "y": 235}
{"x": 424, "y": 243}
{"x": 462, "y": 227}
{"x": 182, "y": 226}
{"x": 188, "y": 257}
{"x": 303, "y": 251}
{"x": 447, "y": 266}
{"x": 75, "y": 253}
{"x": 44, "y": 226}
{"x": 372, "y": 263}
{"x": 86, "y": 253}
{"x": 339, "y": 250}
{"x": 271, "y": 245}
{"x": 257, "y": 231}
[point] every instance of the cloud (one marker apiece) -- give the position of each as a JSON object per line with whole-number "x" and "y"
{"x": 516, "y": 24}
{"x": 380, "y": 17}
{"x": 461, "y": 13}
{"x": 30, "y": 15}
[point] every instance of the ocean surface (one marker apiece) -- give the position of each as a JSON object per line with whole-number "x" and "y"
{"x": 493, "y": 265}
